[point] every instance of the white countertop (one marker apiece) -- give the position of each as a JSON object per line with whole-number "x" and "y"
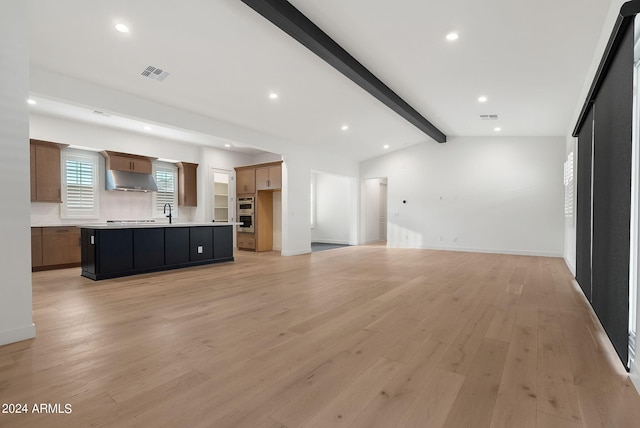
{"x": 150, "y": 225}
{"x": 53, "y": 225}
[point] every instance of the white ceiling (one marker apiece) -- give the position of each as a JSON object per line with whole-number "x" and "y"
{"x": 529, "y": 58}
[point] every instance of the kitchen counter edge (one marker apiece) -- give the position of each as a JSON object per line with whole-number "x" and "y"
{"x": 150, "y": 225}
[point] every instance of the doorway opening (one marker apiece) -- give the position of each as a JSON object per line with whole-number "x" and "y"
{"x": 374, "y": 211}
{"x": 333, "y": 211}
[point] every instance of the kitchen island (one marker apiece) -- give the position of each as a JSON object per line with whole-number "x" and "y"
{"x": 113, "y": 250}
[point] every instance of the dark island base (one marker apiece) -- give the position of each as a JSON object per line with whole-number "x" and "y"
{"x": 97, "y": 277}
{"x": 115, "y": 252}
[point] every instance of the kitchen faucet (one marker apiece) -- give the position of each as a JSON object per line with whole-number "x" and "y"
{"x": 165, "y": 211}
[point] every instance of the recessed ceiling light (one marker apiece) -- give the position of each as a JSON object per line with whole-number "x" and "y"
{"x": 345, "y": 127}
{"x": 227, "y": 145}
{"x": 452, "y": 36}
{"x": 482, "y": 99}
{"x": 497, "y": 129}
{"x": 147, "y": 128}
{"x": 122, "y": 28}
{"x": 273, "y": 96}
{"x": 386, "y": 146}
{"x": 30, "y": 101}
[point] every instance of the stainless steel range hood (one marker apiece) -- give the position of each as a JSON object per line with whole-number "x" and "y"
{"x": 130, "y": 181}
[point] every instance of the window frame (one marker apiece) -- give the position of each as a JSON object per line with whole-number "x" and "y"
{"x": 569, "y": 188}
{"x": 85, "y": 157}
{"x": 157, "y": 212}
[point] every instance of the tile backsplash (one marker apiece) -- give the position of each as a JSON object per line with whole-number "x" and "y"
{"x": 113, "y": 206}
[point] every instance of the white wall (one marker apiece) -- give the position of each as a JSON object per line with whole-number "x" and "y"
{"x": 211, "y": 158}
{"x": 489, "y": 194}
{"x": 266, "y": 158}
{"x": 15, "y": 255}
{"x": 335, "y": 206}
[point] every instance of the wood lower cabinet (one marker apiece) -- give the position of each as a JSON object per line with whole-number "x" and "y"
{"x": 36, "y": 247}
{"x": 55, "y": 247}
{"x": 246, "y": 241}
{"x": 45, "y": 171}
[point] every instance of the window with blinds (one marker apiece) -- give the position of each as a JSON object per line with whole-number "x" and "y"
{"x": 568, "y": 188}
{"x": 167, "y": 181}
{"x": 80, "y": 184}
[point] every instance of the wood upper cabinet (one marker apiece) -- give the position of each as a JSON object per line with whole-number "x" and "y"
{"x": 269, "y": 177}
{"x": 45, "y": 171}
{"x": 187, "y": 184}
{"x": 245, "y": 180}
{"x": 125, "y": 162}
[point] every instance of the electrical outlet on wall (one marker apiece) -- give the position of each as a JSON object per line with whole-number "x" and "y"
{"x": 199, "y": 249}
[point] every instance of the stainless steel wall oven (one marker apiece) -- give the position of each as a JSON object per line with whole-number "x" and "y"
{"x": 246, "y": 214}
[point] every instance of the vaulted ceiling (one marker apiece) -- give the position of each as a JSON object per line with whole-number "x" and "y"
{"x": 529, "y": 59}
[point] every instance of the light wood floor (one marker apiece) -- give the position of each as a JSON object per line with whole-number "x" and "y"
{"x": 357, "y": 337}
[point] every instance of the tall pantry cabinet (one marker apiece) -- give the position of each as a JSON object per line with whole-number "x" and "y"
{"x": 259, "y": 181}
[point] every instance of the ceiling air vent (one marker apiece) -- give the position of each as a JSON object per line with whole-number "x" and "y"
{"x": 489, "y": 117}
{"x": 154, "y": 73}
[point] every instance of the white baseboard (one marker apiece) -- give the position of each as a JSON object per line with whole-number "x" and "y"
{"x": 372, "y": 241}
{"x": 332, "y": 241}
{"x": 296, "y": 252}
{"x": 477, "y": 250}
{"x": 570, "y": 265}
{"x": 17, "y": 334}
{"x": 634, "y": 374}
